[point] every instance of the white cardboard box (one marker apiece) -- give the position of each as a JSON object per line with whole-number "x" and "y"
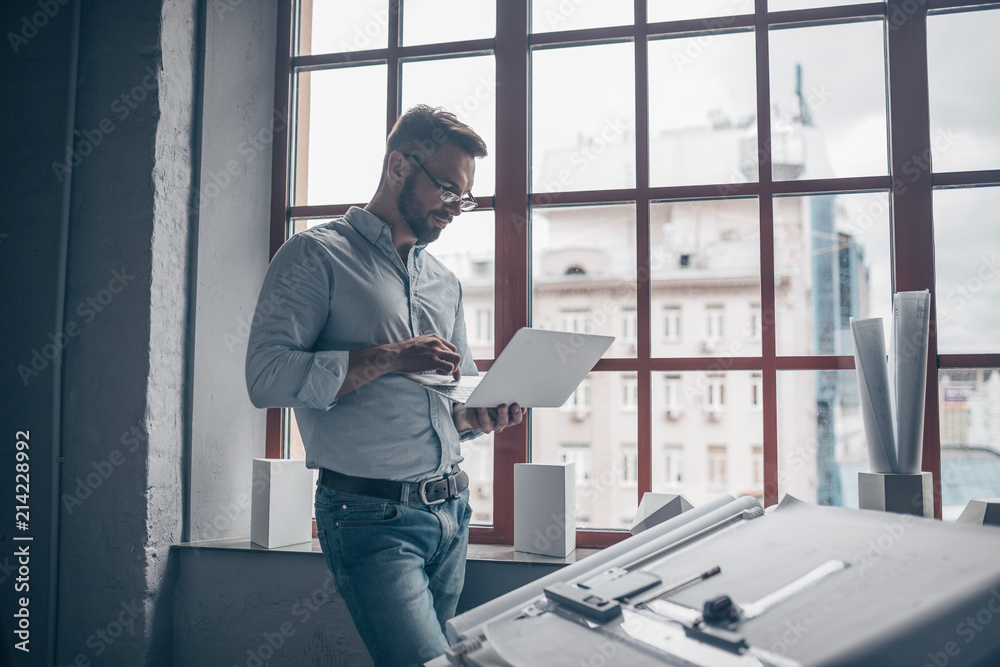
{"x": 281, "y": 509}
{"x": 544, "y": 503}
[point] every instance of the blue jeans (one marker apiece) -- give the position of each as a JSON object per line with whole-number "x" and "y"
{"x": 399, "y": 567}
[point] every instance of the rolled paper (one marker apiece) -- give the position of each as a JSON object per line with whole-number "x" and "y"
{"x": 876, "y": 403}
{"x": 908, "y": 372}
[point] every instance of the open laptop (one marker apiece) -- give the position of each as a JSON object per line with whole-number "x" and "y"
{"x": 537, "y": 369}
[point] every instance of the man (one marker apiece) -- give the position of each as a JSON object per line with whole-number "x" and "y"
{"x": 345, "y": 308}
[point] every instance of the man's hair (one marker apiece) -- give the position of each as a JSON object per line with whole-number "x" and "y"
{"x": 422, "y": 129}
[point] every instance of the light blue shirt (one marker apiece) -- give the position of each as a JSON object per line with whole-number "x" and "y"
{"x": 342, "y": 286}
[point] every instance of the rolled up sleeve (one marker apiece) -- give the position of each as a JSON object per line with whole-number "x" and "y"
{"x": 282, "y": 367}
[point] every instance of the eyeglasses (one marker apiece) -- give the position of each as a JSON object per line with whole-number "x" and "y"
{"x": 465, "y": 202}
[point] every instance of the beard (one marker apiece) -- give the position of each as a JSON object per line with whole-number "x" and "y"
{"x": 419, "y": 222}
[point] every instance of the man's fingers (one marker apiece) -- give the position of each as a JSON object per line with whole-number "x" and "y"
{"x": 503, "y": 418}
{"x": 516, "y": 414}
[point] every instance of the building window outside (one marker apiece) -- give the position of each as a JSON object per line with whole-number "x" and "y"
{"x": 629, "y": 475}
{"x": 673, "y": 465}
{"x": 578, "y": 402}
{"x": 717, "y": 473}
{"x": 672, "y": 396}
{"x": 715, "y": 393}
{"x": 629, "y": 392}
{"x": 672, "y": 324}
{"x": 575, "y": 321}
{"x": 698, "y": 256}
{"x": 758, "y": 465}
{"x": 629, "y": 325}
{"x": 578, "y": 453}
{"x": 754, "y": 325}
{"x": 713, "y": 323}
{"x": 484, "y": 326}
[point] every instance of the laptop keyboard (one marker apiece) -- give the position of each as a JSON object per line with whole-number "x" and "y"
{"x": 456, "y": 392}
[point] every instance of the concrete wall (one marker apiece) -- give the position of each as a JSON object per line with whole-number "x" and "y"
{"x": 256, "y": 608}
{"x": 34, "y": 66}
{"x": 108, "y": 389}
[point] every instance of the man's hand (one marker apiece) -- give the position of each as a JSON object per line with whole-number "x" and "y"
{"x": 429, "y": 352}
{"x": 486, "y": 420}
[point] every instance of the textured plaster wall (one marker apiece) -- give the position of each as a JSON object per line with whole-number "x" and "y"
{"x": 124, "y": 376}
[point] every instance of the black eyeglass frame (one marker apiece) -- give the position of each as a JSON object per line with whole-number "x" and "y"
{"x": 465, "y": 203}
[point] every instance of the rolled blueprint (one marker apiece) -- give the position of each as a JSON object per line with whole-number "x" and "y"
{"x": 876, "y": 402}
{"x": 908, "y": 374}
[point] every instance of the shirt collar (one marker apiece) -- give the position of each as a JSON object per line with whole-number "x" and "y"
{"x": 367, "y": 224}
{"x": 372, "y": 227}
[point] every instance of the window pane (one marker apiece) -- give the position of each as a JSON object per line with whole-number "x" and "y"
{"x": 582, "y": 118}
{"x": 704, "y": 255}
{"x": 967, "y": 268}
{"x": 584, "y": 270}
{"x": 599, "y": 438}
{"x": 553, "y": 15}
{"x": 676, "y": 10}
{"x": 302, "y": 224}
{"x": 964, "y": 90}
{"x": 831, "y": 263}
{"x": 478, "y": 463}
{"x": 828, "y": 101}
{"x": 970, "y": 433}
{"x": 333, "y": 166}
{"x": 333, "y": 26}
{"x": 467, "y": 88}
{"x": 783, "y": 5}
{"x": 467, "y": 248}
{"x": 711, "y": 136}
{"x": 704, "y": 435}
{"x": 434, "y": 21}
{"x": 821, "y": 441}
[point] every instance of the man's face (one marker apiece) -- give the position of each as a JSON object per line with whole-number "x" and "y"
{"x": 420, "y": 203}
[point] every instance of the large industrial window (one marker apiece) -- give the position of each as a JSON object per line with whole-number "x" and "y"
{"x": 722, "y": 185}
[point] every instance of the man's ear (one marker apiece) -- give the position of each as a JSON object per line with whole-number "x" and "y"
{"x": 397, "y": 169}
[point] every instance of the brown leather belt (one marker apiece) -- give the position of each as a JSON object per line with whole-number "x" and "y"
{"x": 430, "y": 491}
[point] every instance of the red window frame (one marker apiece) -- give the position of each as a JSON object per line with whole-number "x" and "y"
{"x": 912, "y": 247}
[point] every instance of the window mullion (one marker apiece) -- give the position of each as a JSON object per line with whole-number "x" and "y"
{"x": 912, "y": 200}
{"x": 644, "y": 286}
{"x": 767, "y": 296}
{"x": 512, "y": 232}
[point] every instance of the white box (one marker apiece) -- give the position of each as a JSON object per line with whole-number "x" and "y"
{"x": 544, "y": 503}
{"x": 281, "y": 509}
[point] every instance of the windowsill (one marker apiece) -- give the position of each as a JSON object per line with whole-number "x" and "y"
{"x": 496, "y": 553}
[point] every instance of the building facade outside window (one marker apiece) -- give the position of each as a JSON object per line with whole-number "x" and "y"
{"x": 597, "y": 215}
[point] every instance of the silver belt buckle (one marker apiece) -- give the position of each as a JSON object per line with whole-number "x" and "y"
{"x": 422, "y": 489}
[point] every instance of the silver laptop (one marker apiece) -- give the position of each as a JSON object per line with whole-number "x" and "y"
{"x": 537, "y": 369}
